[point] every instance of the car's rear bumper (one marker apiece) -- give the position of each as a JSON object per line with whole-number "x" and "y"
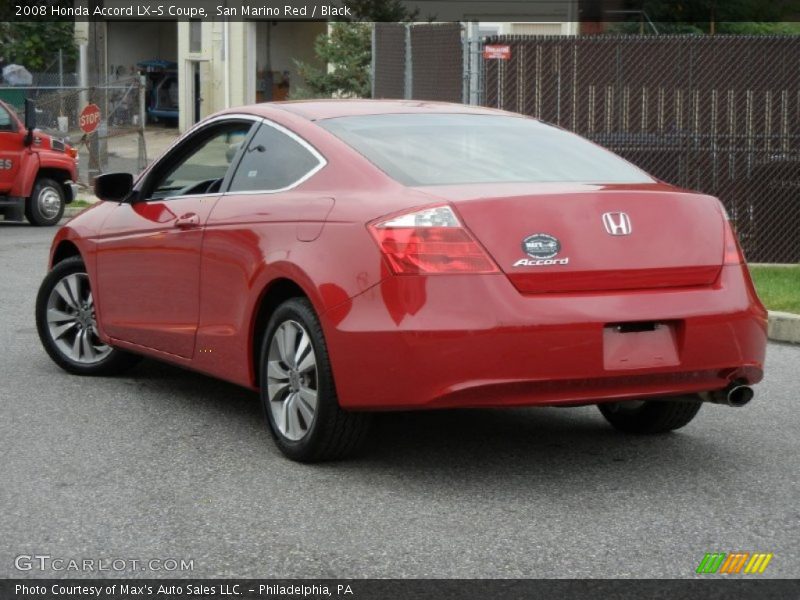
{"x": 474, "y": 340}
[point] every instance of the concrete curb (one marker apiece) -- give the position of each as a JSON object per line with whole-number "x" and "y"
{"x": 784, "y": 327}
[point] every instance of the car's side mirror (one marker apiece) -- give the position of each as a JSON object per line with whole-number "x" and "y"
{"x": 114, "y": 187}
{"x": 30, "y": 120}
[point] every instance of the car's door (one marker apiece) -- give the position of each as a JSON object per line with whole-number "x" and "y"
{"x": 148, "y": 253}
{"x": 264, "y": 219}
{"x": 10, "y": 149}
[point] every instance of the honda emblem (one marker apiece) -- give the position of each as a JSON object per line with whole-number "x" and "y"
{"x": 617, "y": 223}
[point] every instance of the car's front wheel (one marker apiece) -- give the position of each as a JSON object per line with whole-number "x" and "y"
{"x": 298, "y": 392}
{"x": 65, "y": 320}
{"x": 650, "y": 416}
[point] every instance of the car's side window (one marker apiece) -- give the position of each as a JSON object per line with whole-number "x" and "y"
{"x": 200, "y": 164}
{"x": 274, "y": 160}
{"x": 6, "y": 123}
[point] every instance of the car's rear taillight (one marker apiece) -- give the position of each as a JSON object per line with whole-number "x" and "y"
{"x": 733, "y": 252}
{"x": 430, "y": 240}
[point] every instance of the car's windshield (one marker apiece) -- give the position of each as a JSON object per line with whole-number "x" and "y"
{"x": 444, "y": 149}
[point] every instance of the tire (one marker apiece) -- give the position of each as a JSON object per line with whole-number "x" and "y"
{"x": 47, "y": 202}
{"x": 651, "y": 416}
{"x": 299, "y": 396}
{"x": 66, "y": 324}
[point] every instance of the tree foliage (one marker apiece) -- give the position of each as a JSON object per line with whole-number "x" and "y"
{"x": 752, "y": 28}
{"x": 379, "y": 10}
{"x": 728, "y": 16}
{"x": 35, "y": 45}
{"x": 346, "y": 51}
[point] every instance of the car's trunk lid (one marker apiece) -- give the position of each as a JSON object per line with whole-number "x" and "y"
{"x": 574, "y": 238}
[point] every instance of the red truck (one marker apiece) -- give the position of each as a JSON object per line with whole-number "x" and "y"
{"x": 37, "y": 171}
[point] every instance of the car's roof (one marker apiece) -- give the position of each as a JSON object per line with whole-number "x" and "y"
{"x": 315, "y": 110}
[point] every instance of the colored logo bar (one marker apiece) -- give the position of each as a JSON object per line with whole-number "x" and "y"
{"x": 734, "y": 562}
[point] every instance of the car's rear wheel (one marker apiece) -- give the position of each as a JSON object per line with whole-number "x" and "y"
{"x": 651, "y": 416}
{"x": 298, "y": 392}
{"x": 65, "y": 320}
{"x": 46, "y": 204}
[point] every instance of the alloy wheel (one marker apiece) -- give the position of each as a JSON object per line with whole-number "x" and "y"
{"x": 292, "y": 386}
{"x": 71, "y": 320}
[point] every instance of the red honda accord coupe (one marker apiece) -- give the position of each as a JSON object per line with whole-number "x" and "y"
{"x": 349, "y": 256}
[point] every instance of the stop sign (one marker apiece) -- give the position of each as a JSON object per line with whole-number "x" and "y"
{"x": 89, "y": 118}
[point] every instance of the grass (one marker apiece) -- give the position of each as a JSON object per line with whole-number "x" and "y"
{"x": 778, "y": 287}
{"x": 79, "y": 203}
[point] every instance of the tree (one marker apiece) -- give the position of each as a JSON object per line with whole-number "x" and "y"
{"x": 35, "y": 44}
{"x": 346, "y": 51}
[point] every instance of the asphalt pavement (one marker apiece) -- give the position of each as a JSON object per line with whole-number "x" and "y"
{"x": 167, "y": 464}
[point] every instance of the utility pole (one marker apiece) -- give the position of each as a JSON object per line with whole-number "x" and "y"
{"x": 96, "y": 59}
{"x": 142, "y": 154}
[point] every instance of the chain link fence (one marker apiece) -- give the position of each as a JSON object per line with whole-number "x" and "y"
{"x": 718, "y": 114}
{"x": 419, "y": 61}
{"x": 389, "y": 60}
{"x": 118, "y": 143}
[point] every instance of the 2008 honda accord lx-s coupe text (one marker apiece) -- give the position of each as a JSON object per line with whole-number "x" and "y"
{"x": 348, "y": 256}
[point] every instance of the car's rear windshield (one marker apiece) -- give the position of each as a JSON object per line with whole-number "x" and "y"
{"x": 447, "y": 149}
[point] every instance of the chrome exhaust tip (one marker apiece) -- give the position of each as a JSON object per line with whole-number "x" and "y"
{"x": 736, "y": 394}
{"x": 739, "y": 395}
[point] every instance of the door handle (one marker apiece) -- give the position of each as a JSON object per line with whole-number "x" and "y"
{"x": 187, "y": 221}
